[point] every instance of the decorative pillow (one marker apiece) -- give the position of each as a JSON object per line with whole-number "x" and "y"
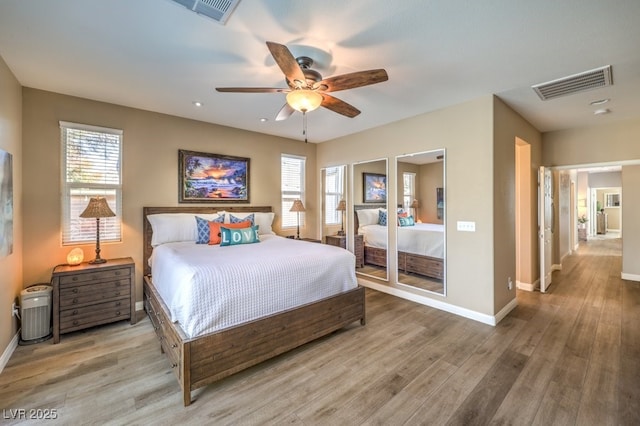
{"x": 202, "y": 226}
{"x": 215, "y": 230}
{"x": 263, "y": 220}
{"x": 232, "y": 237}
{"x": 235, "y": 219}
{"x": 406, "y": 221}
{"x": 367, "y": 216}
{"x": 382, "y": 217}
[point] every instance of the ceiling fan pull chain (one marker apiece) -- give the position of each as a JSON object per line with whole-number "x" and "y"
{"x": 304, "y": 125}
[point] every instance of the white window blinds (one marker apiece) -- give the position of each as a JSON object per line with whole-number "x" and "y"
{"x": 409, "y": 189}
{"x": 91, "y": 166}
{"x": 334, "y": 182}
{"x": 292, "y": 169}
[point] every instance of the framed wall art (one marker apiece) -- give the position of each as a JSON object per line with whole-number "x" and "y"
{"x": 212, "y": 178}
{"x": 374, "y": 187}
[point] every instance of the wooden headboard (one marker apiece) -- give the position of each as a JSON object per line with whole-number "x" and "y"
{"x": 357, "y": 207}
{"x": 148, "y": 231}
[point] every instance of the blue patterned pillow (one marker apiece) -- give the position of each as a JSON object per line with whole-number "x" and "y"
{"x": 235, "y": 219}
{"x": 382, "y": 217}
{"x": 406, "y": 221}
{"x": 231, "y": 237}
{"x": 203, "y": 228}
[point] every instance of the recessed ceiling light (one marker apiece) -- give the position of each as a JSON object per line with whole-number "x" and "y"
{"x": 264, "y": 120}
{"x": 197, "y": 103}
{"x": 602, "y": 111}
{"x": 599, "y": 102}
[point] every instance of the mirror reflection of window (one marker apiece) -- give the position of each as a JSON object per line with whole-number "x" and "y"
{"x": 334, "y": 184}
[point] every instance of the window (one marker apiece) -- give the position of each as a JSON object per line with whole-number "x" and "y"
{"x": 292, "y": 180}
{"x": 91, "y": 166}
{"x": 409, "y": 189}
{"x": 333, "y": 180}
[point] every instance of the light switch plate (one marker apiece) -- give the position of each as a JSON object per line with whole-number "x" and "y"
{"x": 466, "y": 226}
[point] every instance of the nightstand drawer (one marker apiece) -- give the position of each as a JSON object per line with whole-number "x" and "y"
{"x": 94, "y": 314}
{"x": 108, "y": 275}
{"x": 87, "y": 294}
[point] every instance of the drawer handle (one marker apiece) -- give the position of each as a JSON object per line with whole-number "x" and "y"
{"x": 117, "y": 272}
{"x": 174, "y": 365}
{"x": 117, "y": 303}
{"x": 74, "y": 301}
{"x": 174, "y": 345}
{"x": 118, "y": 283}
{"x": 155, "y": 327}
{"x": 75, "y": 322}
{"x": 75, "y": 312}
{"x": 75, "y": 290}
{"x": 74, "y": 279}
{"x": 117, "y": 293}
{"x": 117, "y": 313}
{"x": 162, "y": 322}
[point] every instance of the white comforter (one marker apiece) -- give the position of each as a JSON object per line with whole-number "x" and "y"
{"x": 209, "y": 288}
{"x": 426, "y": 239}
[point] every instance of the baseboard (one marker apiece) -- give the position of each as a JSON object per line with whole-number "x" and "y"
{"x": 6, "y": 355}
{"x": 139, "y": 306}
{"x": 630, "y": 277}
{"x": 437, "y": 304}
{"x": 525, "y": 286}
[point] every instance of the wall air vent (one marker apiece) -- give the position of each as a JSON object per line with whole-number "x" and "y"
{"x": 587, "y": 80}
{"x": 218, "y": 10}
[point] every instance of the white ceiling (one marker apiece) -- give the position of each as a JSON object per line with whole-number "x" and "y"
{"x": 157, "y": 55}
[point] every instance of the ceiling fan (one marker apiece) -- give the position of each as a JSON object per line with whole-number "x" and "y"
{"x": 307, "y": 89}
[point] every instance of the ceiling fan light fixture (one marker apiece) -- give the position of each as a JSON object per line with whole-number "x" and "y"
{"x": 304, "y": 100}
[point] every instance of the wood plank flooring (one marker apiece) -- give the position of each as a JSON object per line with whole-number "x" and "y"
{"x": 568, "y": 357}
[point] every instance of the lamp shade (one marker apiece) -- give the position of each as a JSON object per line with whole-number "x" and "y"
{"x": 342, "y": 205}
{"x": 304, "y": 100}
{"x": 297, "y": 206}
{"x": 97, "y": 208}
{"x": 414, "y": 204}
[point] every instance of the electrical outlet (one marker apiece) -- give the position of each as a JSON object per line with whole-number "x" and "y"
{"x": 509, "y": 284}
{"x": 14, "y": 309}
{"x": 466, "y": 226}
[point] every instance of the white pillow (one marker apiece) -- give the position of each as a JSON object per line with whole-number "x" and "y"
{"x": 263, "y": 220}
{"x": 175, "y": 227}
{"x": 367, "y": 216}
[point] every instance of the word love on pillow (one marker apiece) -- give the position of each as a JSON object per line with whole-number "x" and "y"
{"x": 231, "y": 237}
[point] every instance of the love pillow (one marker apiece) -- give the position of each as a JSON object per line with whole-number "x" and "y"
{"x": 215, "y": 233}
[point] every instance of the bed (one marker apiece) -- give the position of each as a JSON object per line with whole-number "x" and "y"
{"x": 202, "y": 354}
{"x": 420, "y": 247}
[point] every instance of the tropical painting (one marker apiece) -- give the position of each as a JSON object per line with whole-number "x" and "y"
{"x": 6, "y": 203}
{"x": 213, "y": 178}
{"x": 375, "y": 187}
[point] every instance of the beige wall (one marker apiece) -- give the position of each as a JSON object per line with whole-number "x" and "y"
{"x": 616, "y": 142}
{"x": 465, "y": 131}
{"x": 509, "y": 126}
{"x": 10, "y": 140}
{"x": 150, "y": 171}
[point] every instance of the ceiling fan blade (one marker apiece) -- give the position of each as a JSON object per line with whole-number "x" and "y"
{"x": 352, "y": 80}
{"x": 287, "y": 63}
{"x": 285, "y": 112}
{"x": 253, "y": 89}
{"x": 341, "y": 107}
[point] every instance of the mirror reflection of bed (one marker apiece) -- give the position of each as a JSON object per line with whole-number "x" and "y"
{"x": 369, "y": 196}
{"x": 421, "y": 217}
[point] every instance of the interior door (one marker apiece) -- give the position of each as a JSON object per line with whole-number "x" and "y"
{"x": 545, "y": 225}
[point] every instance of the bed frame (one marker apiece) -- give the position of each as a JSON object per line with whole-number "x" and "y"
{"x": 202, "y": 360}
{"x": 428, "y": 266}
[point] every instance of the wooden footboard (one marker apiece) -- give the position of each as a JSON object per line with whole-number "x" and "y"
{"x": 206, "y": 359}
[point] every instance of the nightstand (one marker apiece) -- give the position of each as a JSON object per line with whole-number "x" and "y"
{"x": 336, "y": 240}
{"x": 88, "y": 295}
{"x": 311, "y": 240}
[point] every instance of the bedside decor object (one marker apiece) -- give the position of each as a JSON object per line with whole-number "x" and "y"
{"x": 212, "y": 178}
{"x": 297, "y": 207}
{"x": 342, "y": 206}
{"x": 414, "y": 205}
{"x": 97, "y": 208}
{"x": 75, "y": 257}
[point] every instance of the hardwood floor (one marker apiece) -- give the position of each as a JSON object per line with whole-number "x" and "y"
{"x": 568, "y": 357}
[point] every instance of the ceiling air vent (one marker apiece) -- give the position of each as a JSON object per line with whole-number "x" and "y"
{"x": 218, "y": 10}
{"x": 587, "y": 80}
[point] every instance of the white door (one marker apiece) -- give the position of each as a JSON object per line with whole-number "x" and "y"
{"x": 545, "y": 225}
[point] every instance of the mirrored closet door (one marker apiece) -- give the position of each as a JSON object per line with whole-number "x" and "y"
{"x": 421, "y": 236}
{"x": 369, "y": 192}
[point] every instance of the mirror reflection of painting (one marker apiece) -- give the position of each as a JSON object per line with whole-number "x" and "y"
{"x": 211, "y": 177}
{"x": 375, "y": 187}
{"x": 6, "y": 204}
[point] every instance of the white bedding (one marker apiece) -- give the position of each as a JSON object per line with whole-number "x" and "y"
{"x": 209, "y": 287}
{"x": 426, "y": 239}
